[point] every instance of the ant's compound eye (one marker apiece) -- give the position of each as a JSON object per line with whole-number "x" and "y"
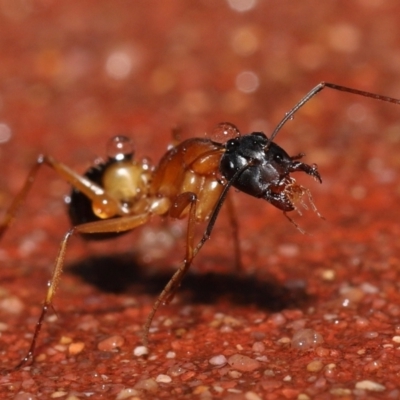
{"x": 232, "y": 144}
{"x": 120, "y": 148}
{"x": 277, "y": 157}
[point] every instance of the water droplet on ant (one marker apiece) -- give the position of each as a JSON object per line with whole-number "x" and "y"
{"x": 224, "y": 131}
{"x": 146, "y": 163}
{"x": 291, "y": 117}
{"x": 120, "y": 148}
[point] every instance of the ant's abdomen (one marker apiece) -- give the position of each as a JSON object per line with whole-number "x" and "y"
{"x": 80, "y": 208}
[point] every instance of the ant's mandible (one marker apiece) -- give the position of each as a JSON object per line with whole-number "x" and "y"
{"x": 192, "y": 180}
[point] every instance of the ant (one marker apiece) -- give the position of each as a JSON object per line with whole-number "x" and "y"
{"x": 191, "y": 180}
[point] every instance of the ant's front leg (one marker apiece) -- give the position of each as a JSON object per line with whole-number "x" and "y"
{"x": 235, "y": 234}
{"x": 279, "y": 197}
{"x": 311, "y": 170}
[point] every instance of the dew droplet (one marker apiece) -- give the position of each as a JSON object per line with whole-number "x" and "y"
{"x": 305, "y": 339}
{"x": 224, "y": 131}
{"x": 120, "y": 148}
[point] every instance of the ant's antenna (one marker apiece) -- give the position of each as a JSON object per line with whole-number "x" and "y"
{"x": 317, "y": 89}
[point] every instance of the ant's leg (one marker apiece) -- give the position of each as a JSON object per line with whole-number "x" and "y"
{"x": 179, "y": 205}
{"x": 235, "y": 233}
{"x": 184, "y": 200}
{"x": 103, "y": 226}
{"x": 311, "y": 170}
{"x": 99, "y": 197}
{"x": 20, "y": 197}
{"x": 52, "y": 286}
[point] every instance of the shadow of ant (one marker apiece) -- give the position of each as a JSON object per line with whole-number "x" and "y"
{"x": 120, "y": 273}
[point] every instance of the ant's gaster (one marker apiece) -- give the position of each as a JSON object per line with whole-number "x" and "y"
{"x": 191, "y": 180}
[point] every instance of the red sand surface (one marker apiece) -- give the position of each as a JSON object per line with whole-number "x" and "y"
{"x": 314, "y": 316}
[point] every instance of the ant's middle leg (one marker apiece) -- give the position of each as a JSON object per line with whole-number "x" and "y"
{"x": 184, "y": 200}
{"x": 119, "y": 224}
{"x": 179, "y": 205}
{"x": 235, "y": 234}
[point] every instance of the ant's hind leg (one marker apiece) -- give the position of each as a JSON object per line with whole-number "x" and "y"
{"x": 20, "y": 197}
{"x": 103, "y": 226}
{"x": 51, "y": 288}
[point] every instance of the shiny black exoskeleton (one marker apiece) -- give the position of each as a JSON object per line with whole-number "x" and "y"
{"x": 266, "y": 168}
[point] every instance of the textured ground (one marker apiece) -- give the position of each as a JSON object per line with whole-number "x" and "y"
{"x": 314, "y": 316}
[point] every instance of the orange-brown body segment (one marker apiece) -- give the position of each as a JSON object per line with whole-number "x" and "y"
{"x": 190, "y": 167}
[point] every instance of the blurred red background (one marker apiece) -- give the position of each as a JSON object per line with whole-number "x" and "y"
{"x": 73, "y": 74}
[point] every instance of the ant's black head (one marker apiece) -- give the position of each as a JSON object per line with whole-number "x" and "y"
{"x": 256, "y": 146}
{"x": 266, "y": 168}
{"x": 268, "y": 163}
